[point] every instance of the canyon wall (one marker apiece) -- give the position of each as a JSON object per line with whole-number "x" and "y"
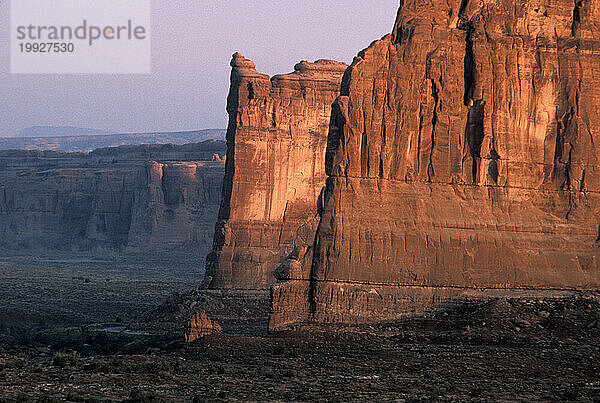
{"x": 462, "y": 162}
{"x": 149, "y": 197}
{"x": 276, "y": 141}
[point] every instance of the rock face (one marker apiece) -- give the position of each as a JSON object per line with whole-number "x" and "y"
{"x": 142, "y": 196}
{"x": 275, "y": 170}
{"x": 199, "y": 326}
{"x": 462, "y": 156}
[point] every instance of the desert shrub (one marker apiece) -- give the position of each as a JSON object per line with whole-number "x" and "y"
{"x": 216, "y": 369}
{"x": 278, "y": 350}
{"x": 289, "y": 373}
{"x": 477, "y": 391}
{"x": 141, "y": 396}
{"x": 98, "y": 367}
{"x": 65, "y": 360}
{"x": 292, "y": 354}
{"x": 48, "y": 399}
{"x": 73, "y": 397}
{"x": 210, "y": 396}
{"x": 16, "y": 364}
{"x": 155, "y": 367}
{"x": 21, "y": 336}
{"x": 117, "y": 363}
{"x": 571, "y": 394}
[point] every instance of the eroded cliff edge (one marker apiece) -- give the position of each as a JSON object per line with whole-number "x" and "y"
{"x": 147, "y": 197}
{"x": 462, "y": 159}
{"x": 276, "y": 141}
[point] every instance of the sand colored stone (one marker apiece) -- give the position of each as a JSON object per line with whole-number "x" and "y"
{"x": 147, "y": 197}
{"x": 275, "y": 170}
{"x": 199, "y": 326}
{"x": 462, "y": 155}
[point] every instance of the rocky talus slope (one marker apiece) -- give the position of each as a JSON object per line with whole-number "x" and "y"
{"x": 159, "y": 196}
{"x": 275, "y": 170}
{"x": 462, "y": 162}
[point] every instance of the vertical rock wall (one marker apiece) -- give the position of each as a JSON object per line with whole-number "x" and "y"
{"x": 176, "y": 205}
{"x": 148, "y": 197}
{"x": 462, "y": 156}
{"x": 276, "y": 143}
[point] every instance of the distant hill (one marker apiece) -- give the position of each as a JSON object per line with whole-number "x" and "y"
{"x": 60, "y": 131}
{"x": 90, "y": 142}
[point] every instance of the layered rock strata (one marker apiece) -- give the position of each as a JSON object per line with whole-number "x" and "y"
{"x": 275, "y": 170}
{"x": 149, "y": 197}
{"x": 462, "y": 159}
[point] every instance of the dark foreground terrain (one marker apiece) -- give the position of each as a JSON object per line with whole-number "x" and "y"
{"x": 70, "y": 345}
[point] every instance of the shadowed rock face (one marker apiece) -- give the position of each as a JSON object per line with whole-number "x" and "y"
{"x": 462, "y": 155}
{"x": 158, "y": 197}
{"x": 275, "y": 170}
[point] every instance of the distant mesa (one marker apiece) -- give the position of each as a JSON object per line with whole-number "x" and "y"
{"x": 85, "y": 140}
{"x": 60, "y": 131}
{"x": 160, "y": 196}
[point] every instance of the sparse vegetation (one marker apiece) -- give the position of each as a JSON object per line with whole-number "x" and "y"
{"x": 141, "y": 396}
{"x": 65, "y": 360}
{"x": 58, "y": 289}
{"x": 501, "y": 350}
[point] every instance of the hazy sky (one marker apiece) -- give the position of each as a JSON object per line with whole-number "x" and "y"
{"x": 192, "y": 45}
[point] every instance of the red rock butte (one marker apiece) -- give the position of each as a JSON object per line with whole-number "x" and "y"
{"x": 461, "y": 163}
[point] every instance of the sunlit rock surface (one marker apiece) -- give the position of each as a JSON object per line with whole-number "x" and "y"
{"x": 199, "y": 326}
{"x": 275, "y": 170}
{"x": 462, "y": 157}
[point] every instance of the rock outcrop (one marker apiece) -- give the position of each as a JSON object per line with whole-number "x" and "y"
{"x": 462, "y": 158}
{"x": 199, "y": 326}
{"x": 275, "y": 170}
{"x": 158, "y": 197}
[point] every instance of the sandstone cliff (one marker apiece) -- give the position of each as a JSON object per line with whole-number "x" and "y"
{"x": 275, "y": 171}
{"x": 462, "y": 155}
{"x": 159, "y": 196}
